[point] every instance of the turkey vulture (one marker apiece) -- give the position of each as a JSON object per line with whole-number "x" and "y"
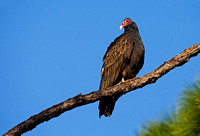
{"x": 123, "y": 60}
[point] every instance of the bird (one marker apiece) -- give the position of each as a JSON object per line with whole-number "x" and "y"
{"x": 123, "y": 60}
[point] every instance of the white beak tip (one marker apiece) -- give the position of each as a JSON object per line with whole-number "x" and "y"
{"x": 120, "y": 27}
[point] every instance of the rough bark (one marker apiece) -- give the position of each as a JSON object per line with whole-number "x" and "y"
{"x": 122, "y": 88}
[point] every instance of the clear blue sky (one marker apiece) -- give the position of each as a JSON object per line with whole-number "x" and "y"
{"x": 52, "y": 50}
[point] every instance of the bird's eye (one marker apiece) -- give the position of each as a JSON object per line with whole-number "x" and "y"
{"x": 126, "y": 22}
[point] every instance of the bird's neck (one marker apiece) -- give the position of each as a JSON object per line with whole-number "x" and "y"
{"x": 131, "y": 28}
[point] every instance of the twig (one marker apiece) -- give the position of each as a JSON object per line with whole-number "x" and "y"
{"x": 122, "y": 88}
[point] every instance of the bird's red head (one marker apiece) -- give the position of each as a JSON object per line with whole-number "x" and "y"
{"x": 125, "y": 23}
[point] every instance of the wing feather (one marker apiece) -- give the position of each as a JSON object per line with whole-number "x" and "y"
{"x": 115, "y": 59}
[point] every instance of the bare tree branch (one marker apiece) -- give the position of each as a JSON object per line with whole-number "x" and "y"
{"x": 122, "y": 88}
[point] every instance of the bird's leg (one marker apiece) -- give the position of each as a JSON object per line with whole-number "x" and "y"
{"x": 123, "y": 79}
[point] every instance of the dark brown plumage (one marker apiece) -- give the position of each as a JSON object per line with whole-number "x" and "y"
{"x": 122, "y": 60}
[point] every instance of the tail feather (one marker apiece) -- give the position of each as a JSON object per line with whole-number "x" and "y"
{"x": 106, "y": 105}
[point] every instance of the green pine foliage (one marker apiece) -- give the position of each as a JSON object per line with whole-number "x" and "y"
{"x": 185, "y": 121}
{"x": 189, "y": 111}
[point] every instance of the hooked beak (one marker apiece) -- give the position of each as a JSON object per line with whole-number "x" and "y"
{"x": 120, "y": 27}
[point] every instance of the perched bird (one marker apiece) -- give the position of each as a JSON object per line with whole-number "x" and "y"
{"x": 123, "y": 60}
